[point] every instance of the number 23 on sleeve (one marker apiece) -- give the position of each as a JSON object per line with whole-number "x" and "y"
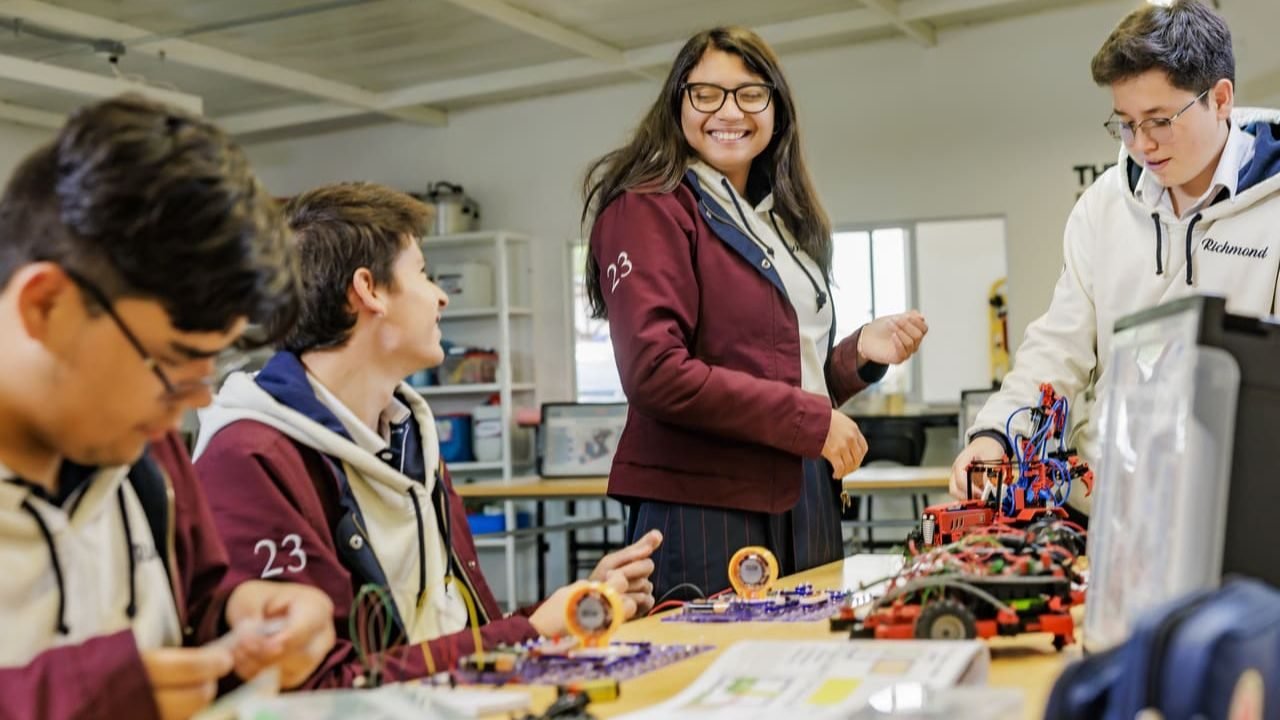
{"x": 618, "y": 270}
{"x": 295, "y": 560}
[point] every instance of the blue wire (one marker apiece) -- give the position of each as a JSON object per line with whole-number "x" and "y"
{"x": 1063, "y": 469}
{"x": 1038, "y": 441}
{"x": 1038, "y": 445}
{"x": 1016, "y": 483}
{"x": 1008, "y": 425}
{"x": 1039, "y": 450}
{"x": 1066, "y": 422}
{"x": 1064, "y": 476}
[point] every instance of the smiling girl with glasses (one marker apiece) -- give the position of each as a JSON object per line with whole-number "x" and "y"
{"x": 711, "y": 258}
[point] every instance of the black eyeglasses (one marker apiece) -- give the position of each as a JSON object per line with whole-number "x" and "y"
{"x": 170, "y": 389}
{"x": 708, "y": 98}
{"x": 1157, "y": 128}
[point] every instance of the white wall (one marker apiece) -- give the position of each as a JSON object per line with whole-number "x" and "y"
{"x": 957, "y": 262}
{"x": 15, "y": 142}
{"x": 523, "y": 162}
{"x": 988, "y": 123}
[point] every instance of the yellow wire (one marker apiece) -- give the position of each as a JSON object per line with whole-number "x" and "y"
{"x": 427, "y": 656}
{"x": 472, "y": 617}
{"x": 430, "y": 660}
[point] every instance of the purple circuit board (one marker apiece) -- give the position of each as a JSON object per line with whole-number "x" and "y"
{"x": 800, "y": 604}
{"x": 544, "y": 663}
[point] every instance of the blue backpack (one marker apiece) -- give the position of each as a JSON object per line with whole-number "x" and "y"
{"x": 1211, "y": 654}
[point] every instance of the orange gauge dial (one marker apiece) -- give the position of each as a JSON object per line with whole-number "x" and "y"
{"x": 752, "y": 572}
{"x": 592, "y": 614}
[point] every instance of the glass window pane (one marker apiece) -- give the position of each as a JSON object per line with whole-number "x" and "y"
{"x": 851, "y": 281}
{"x": 856, "y": 255}
{"x": 596, "y": 371}
{"x": 889, "y": 263}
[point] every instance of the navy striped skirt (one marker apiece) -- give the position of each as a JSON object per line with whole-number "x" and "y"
{"x": 693, "y": 560}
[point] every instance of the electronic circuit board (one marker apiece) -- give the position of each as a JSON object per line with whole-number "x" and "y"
{"x": 801, "y": 604}
{"x": 558, "y": 662}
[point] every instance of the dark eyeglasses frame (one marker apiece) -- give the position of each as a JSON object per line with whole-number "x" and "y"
{"x": 688, "y": 89}
{"x": 1116, "y": 128}
{"x": 100, "y": 298}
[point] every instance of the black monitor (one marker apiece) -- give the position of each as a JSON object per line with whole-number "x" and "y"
{"x": 578, "y": 440}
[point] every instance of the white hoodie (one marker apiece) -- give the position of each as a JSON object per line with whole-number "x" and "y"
{"x": 1110, "y": 270}
{"x": 384, "y": 495}
{"x": 800, "y": 275}
{"x": 70, "y": 566}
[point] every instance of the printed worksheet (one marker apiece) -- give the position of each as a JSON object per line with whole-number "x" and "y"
{"x": 822, "y": 679}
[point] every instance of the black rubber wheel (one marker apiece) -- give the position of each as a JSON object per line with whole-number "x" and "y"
{"x": 862, "y": 632}
{"x": 1059, "y": 642}
{"x": 946, "y": 620}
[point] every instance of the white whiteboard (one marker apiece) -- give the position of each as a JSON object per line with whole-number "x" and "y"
{"x": 956, "y": 263}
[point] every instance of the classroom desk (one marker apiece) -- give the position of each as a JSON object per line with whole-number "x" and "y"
{"x": 876, "y": 480}
{"x": 880, "y": 480}
{"x": 897, "y": 479}
{"x": 1028, "y": 662}
{"x": 539, "y": 491}
{"x": 536, "y": 488}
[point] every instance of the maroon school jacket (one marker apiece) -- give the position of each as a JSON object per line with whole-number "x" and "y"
{"x": 708, "y": 350}
{"x": 103, "y": 677}
{"x": 262, "y": 484}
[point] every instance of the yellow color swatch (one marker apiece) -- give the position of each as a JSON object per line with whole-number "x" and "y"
{"x": 834, "y": 691}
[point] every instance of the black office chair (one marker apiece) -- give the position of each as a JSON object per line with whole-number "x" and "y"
{"x": 971, "y": 402}
{"x": 896, "y": 440}
{"x": 585, "y": 554}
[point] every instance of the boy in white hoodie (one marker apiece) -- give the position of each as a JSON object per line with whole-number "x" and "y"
{"x": 1193, "y": 206}
{"x": 134, "y": 247}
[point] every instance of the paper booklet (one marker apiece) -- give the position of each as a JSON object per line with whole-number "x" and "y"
{"x": 821, "y": 678}
{"x": 398, "y": 701}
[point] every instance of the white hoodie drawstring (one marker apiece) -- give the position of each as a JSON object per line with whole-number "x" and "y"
{"x": 1190, "y": 229}
{"x": 1155, "y": 218}
{"x": 61, "y": 626}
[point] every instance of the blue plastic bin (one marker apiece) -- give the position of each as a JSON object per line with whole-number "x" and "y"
{"x": 455, "y": 437}
{"x": 483, "y": 524}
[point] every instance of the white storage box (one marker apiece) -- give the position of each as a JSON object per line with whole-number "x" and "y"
{"x": 468, "y": 284}
{"x": 486, "y": 433}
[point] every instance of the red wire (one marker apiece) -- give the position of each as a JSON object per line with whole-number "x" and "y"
{"x": 362, "y": 633}
{"x": 665, "y": 605}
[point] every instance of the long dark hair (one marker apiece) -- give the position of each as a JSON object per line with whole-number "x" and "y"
{"x": 657, "y": 155}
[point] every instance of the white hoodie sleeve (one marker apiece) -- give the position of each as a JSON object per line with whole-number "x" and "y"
{"x": 1060, "y": 347}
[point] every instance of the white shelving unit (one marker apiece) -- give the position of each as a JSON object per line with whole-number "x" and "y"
{"x": 468, "y": 313}
{"x": 470, "y": 467}
{"x": 471, "y": 389}
{"x": 507, "y": 326}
